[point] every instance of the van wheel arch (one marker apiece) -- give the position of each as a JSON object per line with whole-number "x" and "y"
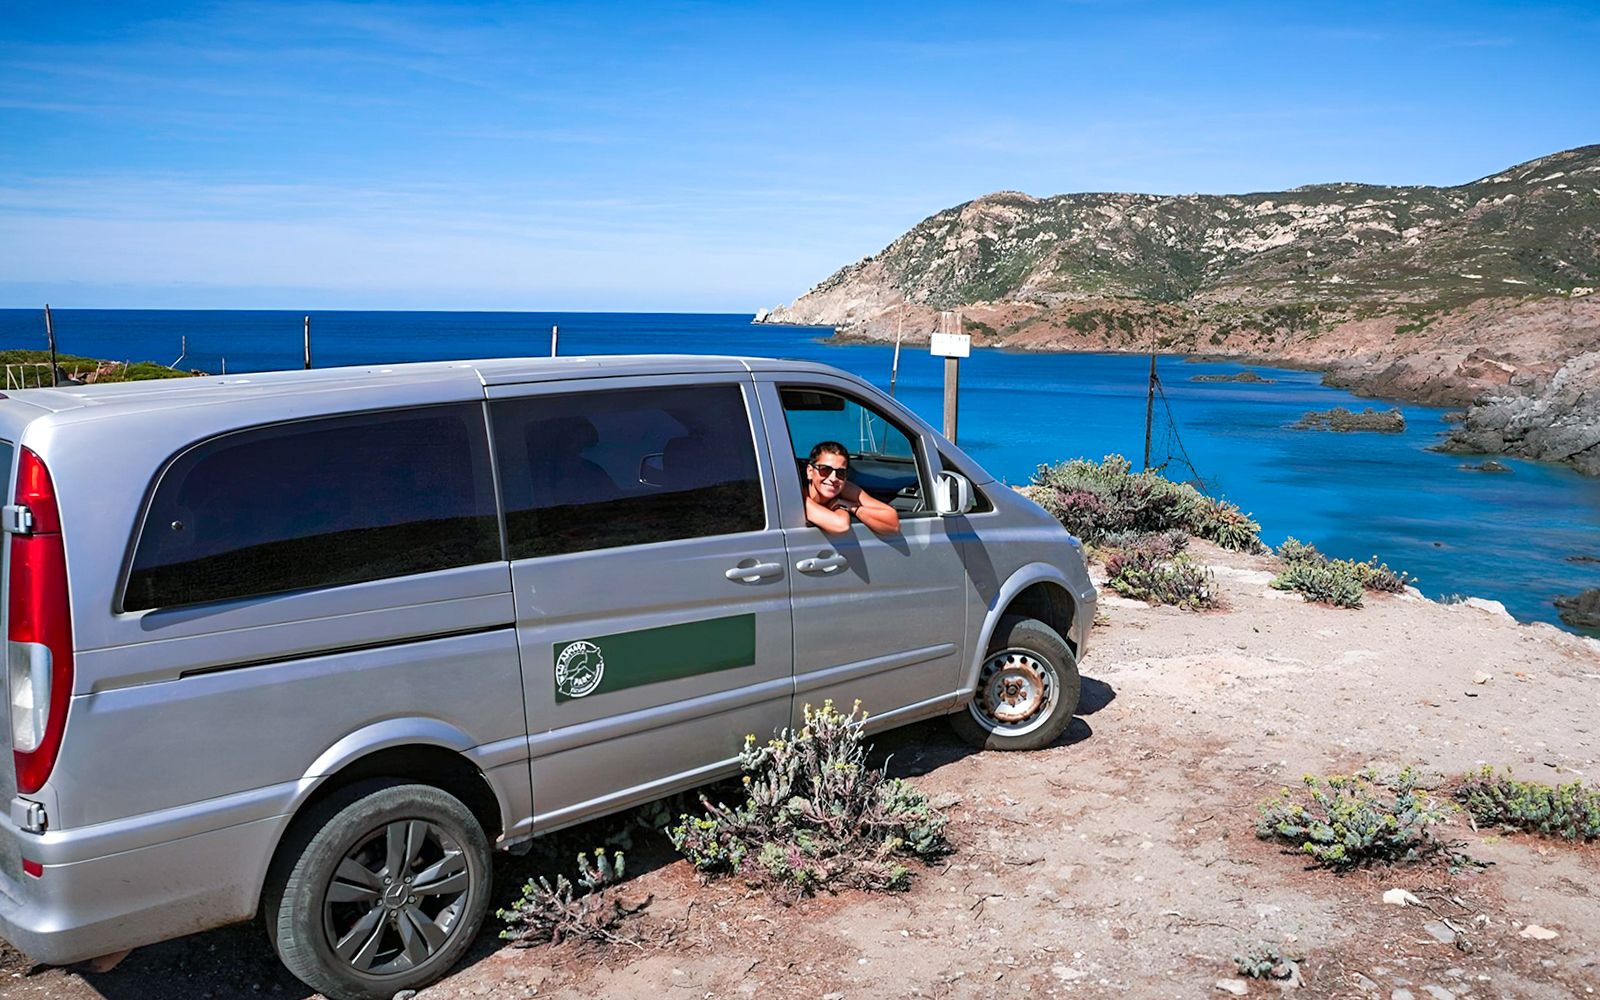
{"x": 422, "y": 764}
{"x": 1049, "y": 602}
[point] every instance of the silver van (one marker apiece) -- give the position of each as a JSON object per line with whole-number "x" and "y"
{"x": 309, "y": 644}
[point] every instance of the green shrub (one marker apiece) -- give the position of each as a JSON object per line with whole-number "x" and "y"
{"x": 1349, "y": 821}
{"x": 1266, "y": 961}
{"x": 1153, "y": 572}
{"x": 1339, "y": 582}
{"x": 1375, "y": 575}
{"x": 1094, "y": 500}
{"x": 1293, "y": 550}
{"x": 555, "y": 912}
{"x": 1570, "y": 811}
{"x": 815, "y": 815}
{"x": 1324, "y": 582}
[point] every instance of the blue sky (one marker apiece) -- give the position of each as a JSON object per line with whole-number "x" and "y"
{"x": 696, "y": 156}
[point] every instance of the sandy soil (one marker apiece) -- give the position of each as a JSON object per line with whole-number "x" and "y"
{"x": 1122, "y": 861}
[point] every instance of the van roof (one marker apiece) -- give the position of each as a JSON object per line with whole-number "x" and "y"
{"x": 494, "y": 371}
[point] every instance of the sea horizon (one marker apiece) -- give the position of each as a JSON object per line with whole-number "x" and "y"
{"x": 1510, "y": 538}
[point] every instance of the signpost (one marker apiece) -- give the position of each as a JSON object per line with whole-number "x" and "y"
{"x": 952, "y": 347}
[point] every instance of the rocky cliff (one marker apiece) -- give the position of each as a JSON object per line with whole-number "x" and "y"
{"x": 1445, "y": 294}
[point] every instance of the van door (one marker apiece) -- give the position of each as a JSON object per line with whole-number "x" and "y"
{"x": 879, "y": 619}
{"x": 652, "y": 595}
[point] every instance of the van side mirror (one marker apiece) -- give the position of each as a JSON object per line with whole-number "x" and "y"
{"x": 952, "y": 494}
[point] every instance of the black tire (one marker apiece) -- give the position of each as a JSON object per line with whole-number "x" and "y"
{"x": 413, "y": 885}
{"x": 1028, "y": 689}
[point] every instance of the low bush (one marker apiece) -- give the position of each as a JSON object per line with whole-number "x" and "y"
{"x": 1154, "y": 572}
{"x": 1267, "y": 961}
{"x": 1570, "y": 811}
{"x": 1324, "y": 583}
{"x": 1094, "y": 500}
{"x": 815, "y": 815}
{"x": 557, "y": 911}
{"x": 1339, "y": 582}
{"x": 1350, "y": 821}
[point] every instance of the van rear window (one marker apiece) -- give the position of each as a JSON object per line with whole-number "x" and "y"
{"x": 318, "y": 503}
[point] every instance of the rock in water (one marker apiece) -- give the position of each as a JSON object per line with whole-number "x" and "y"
{"x": 1581, "y": 610}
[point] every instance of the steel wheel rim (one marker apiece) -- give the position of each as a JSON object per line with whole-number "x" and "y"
{"x": 1017, "y": 692}
{"x": 397, "y": 898}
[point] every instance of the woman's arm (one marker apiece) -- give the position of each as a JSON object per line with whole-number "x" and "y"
{"x": 874, "y": 513}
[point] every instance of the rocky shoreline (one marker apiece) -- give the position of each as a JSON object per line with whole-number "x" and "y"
{"x": 1526, "y": 372}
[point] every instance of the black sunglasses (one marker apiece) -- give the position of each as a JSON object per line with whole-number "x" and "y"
{"x": 828, "y": 471}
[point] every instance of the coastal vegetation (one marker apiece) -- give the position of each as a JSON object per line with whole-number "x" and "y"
{"x": 1096, "y": 500}
{"x": 31, "y": 369}
{"x": 815, "y": 815}
{"x": 1339, "y": 582}
{"x": 1154, "y": 568}
{"x": 1570, "y": 811}
{"x": 550, "y": 912}
{"x": 1352, "y": 821}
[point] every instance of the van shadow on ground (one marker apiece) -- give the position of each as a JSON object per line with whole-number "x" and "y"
{"x": 238, "y": 962}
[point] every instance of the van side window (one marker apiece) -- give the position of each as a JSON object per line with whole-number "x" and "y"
{"x": 595, "y": 470}
{"x": 318, "y": 503}
{"x": 883, "y": 457}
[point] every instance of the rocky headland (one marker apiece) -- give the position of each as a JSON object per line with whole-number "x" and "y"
{"x": 1479, "y": 295}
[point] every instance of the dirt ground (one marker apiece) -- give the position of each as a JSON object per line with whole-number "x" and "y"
{"x": 1121, "y": 861}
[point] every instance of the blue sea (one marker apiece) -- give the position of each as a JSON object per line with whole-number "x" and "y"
{"x": 1509, "y": 537}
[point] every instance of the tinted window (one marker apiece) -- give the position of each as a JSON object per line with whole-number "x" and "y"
{"x": 318, "y": 503}
{"x": 595, "y": 470}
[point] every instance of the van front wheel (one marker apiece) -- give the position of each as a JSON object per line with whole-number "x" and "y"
{"x": 1028, "y": 689}
{"x": 385, "y": 892}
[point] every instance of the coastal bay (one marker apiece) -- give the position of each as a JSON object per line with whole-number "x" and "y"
{"x": 1512, "y": 538}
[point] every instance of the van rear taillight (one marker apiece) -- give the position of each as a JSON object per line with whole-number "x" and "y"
{"x": 39, "y": 639}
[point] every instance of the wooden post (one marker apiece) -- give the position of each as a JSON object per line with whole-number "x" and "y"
{"x": 1149, "y": 408}
{"x": 952, "y": 389}
{"x": 308, "y": 342}
{"x": 50, "y": 334}
{"x": 555, "y": 335}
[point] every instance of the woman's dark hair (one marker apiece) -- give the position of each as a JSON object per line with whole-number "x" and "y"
{"x": 828, "y": 448}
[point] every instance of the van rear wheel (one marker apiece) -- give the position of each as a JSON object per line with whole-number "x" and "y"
{"x": 1028, "y": 689}
{"x": 383, "y": 890}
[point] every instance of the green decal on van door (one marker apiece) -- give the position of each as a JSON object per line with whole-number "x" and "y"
{"x": 652, "y": 655}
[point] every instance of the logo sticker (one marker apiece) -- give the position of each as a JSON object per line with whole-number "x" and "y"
{"x": 579, "y": 669}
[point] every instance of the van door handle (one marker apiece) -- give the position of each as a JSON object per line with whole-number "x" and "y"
{"x": 822, "y": 564}
{"x": 750, "y": 571}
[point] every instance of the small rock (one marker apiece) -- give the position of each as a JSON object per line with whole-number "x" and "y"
{"x": 404, "y": 995}
{"x": 946, "y": 800}
{"x": 1402, "y": 995}
{"x": 1364, "y": 984}
{"x": 833, "y": 996}
{"x": 1482, "y": 678}
{"x": 1537, "y": 933}
{"x": 1484, "y": 604}
{"x": 1237, "y": 987}
{"x": 1067, "y": 973}
{"x": 1400, "y": 897}
{"x": 1439, "y": 993}
{"x": 1440, "y": 932}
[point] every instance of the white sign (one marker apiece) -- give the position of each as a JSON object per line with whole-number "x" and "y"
{"x": 950, "y": 345}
